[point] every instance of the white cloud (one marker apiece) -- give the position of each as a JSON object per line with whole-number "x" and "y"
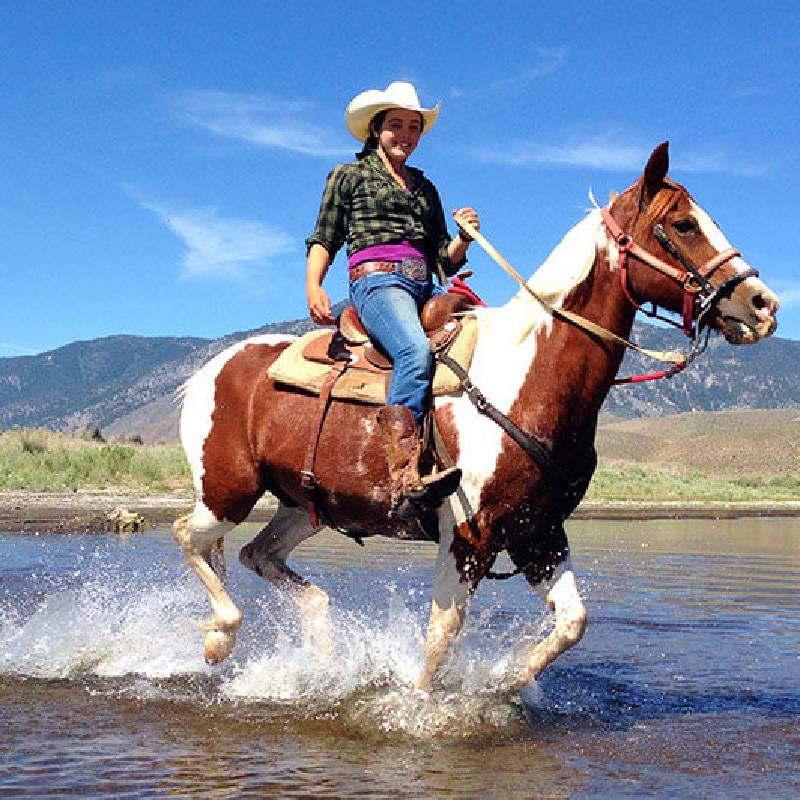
{"x": 608, "y": 151}
{"x": 264, "y": 121}
{"x": 548, "y": 60}
{"x": 17, "y": 349}
{"x": 593, "y": 152}
{"x": 221, "y": 247}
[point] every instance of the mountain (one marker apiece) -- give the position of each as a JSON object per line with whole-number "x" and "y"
{"x": 725, "y": 377}
{"x": 126, "y": 384}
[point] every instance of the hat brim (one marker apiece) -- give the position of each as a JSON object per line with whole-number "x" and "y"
{"x": 358, "y": 119}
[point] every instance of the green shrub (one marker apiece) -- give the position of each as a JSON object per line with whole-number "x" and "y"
{"x": 37, "y": 460}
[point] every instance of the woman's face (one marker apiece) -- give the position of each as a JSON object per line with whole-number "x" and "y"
{"x": 399, "y": 134}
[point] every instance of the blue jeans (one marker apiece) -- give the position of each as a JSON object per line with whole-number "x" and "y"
{"x": 389, "y": 305}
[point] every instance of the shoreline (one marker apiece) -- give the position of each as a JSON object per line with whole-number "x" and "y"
{"x": 85, "y": 511}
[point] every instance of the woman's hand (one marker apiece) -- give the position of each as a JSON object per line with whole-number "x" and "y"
{"x": 470, "y": 216}
{"x": 319, "y": 305}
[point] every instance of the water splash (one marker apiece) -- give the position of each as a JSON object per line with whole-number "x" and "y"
{"x": 119, "y": 629}
{"x": 107, "y": 627}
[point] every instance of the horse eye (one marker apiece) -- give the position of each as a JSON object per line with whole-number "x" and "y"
{"x": 685, "y": 226}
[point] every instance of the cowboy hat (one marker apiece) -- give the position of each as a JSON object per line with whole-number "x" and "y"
{"x": 363, "y": 107}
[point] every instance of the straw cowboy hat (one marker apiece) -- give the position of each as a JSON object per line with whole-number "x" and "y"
{"x": 363, "y": 107}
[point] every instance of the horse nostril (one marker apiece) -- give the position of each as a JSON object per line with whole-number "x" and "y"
{"x": 759, "y": 302}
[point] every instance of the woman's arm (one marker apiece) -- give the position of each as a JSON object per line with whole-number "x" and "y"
{"x": 319, "y": 304}
{"x": 457, "y": 249}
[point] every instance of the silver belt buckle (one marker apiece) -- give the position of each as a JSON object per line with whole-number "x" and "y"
{"x": 414, "y": 268}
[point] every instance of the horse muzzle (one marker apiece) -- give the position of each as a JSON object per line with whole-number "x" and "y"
{"x": 749, "y": 315}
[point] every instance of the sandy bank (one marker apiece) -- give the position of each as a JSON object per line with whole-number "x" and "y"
{"x": 85, "y": 510}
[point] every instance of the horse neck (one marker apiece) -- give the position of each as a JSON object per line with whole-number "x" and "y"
{"x": 556, "y": 358}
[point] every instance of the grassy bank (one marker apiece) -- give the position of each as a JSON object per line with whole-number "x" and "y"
{"x": 41, "y": 461}
{"x": 634, "y": 482}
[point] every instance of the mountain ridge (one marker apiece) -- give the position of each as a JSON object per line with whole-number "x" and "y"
{"x": 125, "y": 384}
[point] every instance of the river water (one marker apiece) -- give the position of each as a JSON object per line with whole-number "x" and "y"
{"x": 687, "y": 682}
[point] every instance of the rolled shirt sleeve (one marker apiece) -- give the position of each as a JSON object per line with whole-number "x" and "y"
{"x": 332, "y": 220}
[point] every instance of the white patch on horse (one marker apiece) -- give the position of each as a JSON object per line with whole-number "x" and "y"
{"x": 198, "y": 403}
{"x": 718, "y": 240}
{"x": 506, "y": 350}
{"x": 715, "y": 236}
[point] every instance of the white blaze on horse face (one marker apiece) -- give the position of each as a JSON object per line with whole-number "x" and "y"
{"x": 506, "y": 351}
{"x": 762, "y": 317}
{"x": 198, "y": 403}
{"x": 715, "y": 236}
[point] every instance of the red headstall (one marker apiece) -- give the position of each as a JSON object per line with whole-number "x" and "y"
{"x": 691, "y": 289}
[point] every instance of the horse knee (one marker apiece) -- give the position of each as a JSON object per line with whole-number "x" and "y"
{"x": 572, "y": 625}
{"x": 260, "y": 562}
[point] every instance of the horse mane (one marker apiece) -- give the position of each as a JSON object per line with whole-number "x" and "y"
{"x": 567, "y": 266}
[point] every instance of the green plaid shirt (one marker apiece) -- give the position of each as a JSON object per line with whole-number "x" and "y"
{"x": 363, "y": 205}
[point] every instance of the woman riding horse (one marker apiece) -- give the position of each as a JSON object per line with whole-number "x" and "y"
{"x": 391, "y": 217}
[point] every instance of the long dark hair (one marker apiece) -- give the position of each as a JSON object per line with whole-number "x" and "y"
{"x": 374, "y": 126}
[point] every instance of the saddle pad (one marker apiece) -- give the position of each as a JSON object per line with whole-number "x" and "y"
{"x": 292, "y": 369}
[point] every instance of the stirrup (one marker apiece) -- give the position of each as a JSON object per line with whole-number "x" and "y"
{"x": 437, "y": 487}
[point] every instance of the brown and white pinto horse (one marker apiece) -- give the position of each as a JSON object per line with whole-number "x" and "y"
{"x": 244, "y": 435}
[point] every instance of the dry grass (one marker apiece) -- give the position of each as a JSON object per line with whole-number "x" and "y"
{"x": 41, "y": 460}
{"x": 729, "y": 456}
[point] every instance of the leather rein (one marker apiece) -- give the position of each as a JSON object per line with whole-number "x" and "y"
{"x": 699, "y": 295}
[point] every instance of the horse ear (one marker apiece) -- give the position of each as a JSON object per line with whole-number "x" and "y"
{"x": 656, "y": 169}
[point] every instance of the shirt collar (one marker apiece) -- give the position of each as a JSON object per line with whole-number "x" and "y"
{"x": 374, "y": 161}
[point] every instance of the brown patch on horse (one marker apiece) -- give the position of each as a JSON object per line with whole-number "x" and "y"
{"x": 231, "y": 480}
{"x": 258, "y": 440}
{"x": 558, "y": 403}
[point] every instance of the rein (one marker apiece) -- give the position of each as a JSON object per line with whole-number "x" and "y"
{"x": 676, "y": 359}
{"x": 699, "y": 296}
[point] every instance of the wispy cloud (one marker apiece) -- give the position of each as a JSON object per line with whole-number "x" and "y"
{"x": 547, "y": 60}
{"x": 220, "y": 247}
{"x": 9, "y": 349}
{"x": 749, "y": 90}
{"x": 607, "y": 151}
{"x": 264, "y": 121}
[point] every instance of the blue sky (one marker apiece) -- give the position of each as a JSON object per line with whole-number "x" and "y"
{"x": 161, "y": 163}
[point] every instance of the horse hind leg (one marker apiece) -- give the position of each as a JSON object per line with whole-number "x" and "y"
{"x": 200, "y": 536}
{"x": 266, "y": 555}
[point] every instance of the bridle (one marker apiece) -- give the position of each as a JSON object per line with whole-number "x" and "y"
{"x": 699, "y": 295}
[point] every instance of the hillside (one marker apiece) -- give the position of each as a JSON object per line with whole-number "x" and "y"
{"x": 724, "y": 377}
{"x": 125, "y": 384}
{"x": 741, "y": 445}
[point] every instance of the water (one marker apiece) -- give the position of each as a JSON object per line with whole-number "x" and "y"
{"x": 687, "y": 682}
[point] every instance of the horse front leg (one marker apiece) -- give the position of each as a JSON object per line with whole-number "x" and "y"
{"x": 451, "y": 595}
{"x": 266, "y": 555}
{"x": 200, "y": 536}
{"x": 562, "y": 596}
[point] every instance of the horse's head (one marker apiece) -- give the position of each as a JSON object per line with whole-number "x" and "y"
{"x": 675, "y": 256}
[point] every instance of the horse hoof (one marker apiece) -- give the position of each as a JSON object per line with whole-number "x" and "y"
{"x": 217, "y": 647}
